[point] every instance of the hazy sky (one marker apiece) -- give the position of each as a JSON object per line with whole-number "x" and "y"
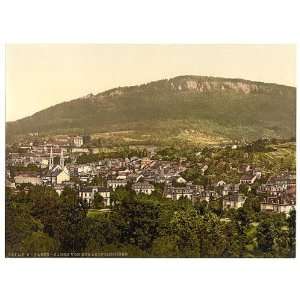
{"x": 39, "y": 76}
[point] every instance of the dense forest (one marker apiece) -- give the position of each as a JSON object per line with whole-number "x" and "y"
{"x": 40, "y": 223}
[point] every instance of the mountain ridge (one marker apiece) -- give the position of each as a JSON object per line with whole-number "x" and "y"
{"x": 194, "y": 99}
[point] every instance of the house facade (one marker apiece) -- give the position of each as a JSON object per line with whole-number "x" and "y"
{"x": 115, "y": 183}
{"x": 88, "y": 194}
{"x": 28, "y": 179}
{"x": 235, "y": 201}
{"x": 143, "y": 187}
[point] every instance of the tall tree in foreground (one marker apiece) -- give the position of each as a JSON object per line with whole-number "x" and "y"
{"x": 292, "y": 232}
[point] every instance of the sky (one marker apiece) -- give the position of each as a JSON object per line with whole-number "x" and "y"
{"x": 39, "y": 76}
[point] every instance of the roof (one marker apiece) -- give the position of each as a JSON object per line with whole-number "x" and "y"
{"x": 55, "y": 172}
{"x": 103, "y": 190}
{"x": 86, "y": 189}
{"x": 247, "y": 177}
{"x": 116, "y": 181}
{"x": 235, "y": 198}
{"x": 27, "y": 174}
{"x": 142, "y": 185}
{"x": 179, "y": 190}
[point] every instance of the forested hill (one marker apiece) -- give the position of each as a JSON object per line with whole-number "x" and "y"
{"x": 229, "y": 108}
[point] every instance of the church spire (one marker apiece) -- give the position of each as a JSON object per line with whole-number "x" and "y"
{"x": 51, "y": 163}
{"x": 62, "y": 160}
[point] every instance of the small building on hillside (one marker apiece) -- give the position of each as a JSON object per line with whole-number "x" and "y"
{"x": 235, "y": 200}
{"x": 80, "y": 150}
{"x": 115, "y": 183}
{"x": 88, "y": 194}
{"x": 204, "y": 169}
{"x": 248, "y": 179}
{"x": 28, "y": 178}
{"x": 220, "y": 183}
{"x": 175, "y": 193}
{"x": 281, "y": 203}
{"x": 78, "y": 141}
{"x": 180, "y": 179}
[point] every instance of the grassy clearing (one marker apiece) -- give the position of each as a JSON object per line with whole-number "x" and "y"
{"x": 93, "y": 213}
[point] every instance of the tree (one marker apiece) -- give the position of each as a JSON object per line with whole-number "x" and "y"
{"x": 211, "y": 236}
{"x": 292, "y": 233}
{"x": 44, "y": 207}
{"x": 244, "y": 188}
{"x": 184, "y": 231}
{"x": 72, "y": 227}
{"x": 201, "y": 207}
{"x": 233, "y": 244}
{"x": 19, "y": 225}
{"x": 140, "y": 219}
{"x": 165, "y": 246}
{"x": 216, "y": 206}
{"x": 252, "y": 204}
{"x": 243, "y": 217}
{"x": 98, "y": 201}
{"x": 104, "y": 229}
{"x": 119, "y": 195}
{"x": 39, "y": 242}
{"x": 265, "y": 235}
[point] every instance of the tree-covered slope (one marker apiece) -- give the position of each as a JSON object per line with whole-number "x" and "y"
{"x": 233, "y": 108}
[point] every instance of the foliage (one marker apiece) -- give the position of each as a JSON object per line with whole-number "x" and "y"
{"x": 143, "y": 226}
{"x": 98, "y": 201}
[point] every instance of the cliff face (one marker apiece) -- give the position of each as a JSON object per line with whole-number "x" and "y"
{"x": 202, "y": 84}
{"x": 205, "y": 85}
{"x": 231, "y": 107}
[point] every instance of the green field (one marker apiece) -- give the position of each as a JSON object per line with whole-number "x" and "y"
{"x": 93, "y": 213}
{"x": 283, "y": 157}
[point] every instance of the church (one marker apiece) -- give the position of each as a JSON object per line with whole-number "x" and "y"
{"x": 56, "y": 174}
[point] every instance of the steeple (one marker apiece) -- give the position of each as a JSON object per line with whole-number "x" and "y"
{"x": 51, "y": 163}
{"x": 62, "y": 160}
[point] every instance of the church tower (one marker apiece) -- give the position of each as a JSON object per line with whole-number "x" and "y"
{"x": 62, "y": 160}
{"x": 51, "y": 162}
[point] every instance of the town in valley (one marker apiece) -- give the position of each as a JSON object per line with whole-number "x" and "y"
{"x": 259, "y": 175}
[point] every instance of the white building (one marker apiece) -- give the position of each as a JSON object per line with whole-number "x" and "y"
{"x": 113, "y": 184}
{"x": 175, "y": 193}
{"x": 78, "y": 141}
{"x": 59, "y": 189}
{"x": 57, "y": 174}
{"x": 63, "y": 176}
{"x": 248, "y": 179}
{"x": 80, "y": 150}
{"x": 180, "y": 179}
{"x": 27, "y": 179}
{"x": 88, "y": 194}
{"x": 143, "y": 187}
{"x": 234, "y": 201}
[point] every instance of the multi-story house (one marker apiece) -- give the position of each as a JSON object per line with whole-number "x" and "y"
{"x": 88, "y": 194}
{"x": 115, "y": 183}
{"x": 143, "y": 187}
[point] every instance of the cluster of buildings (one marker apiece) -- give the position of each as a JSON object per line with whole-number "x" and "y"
{"x": 279, "y": 193}
{"x": 58, "y": 168}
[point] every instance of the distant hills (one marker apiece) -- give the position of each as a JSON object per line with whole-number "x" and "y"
{"x": 194, "y": 109}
